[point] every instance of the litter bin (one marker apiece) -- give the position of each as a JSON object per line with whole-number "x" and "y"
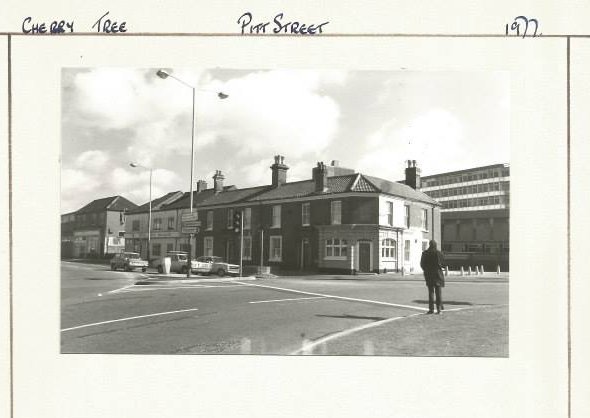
{"x": 167, "y": 263}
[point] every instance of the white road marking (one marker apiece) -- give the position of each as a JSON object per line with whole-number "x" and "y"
{"x": 307, "y": 347}
{"x": 143, "y": 288}
{"x": 284, "y": 300}
{"x": 121, "y": 289}
{"x": 128, "y": 319}
{"x": 376, "y": 302}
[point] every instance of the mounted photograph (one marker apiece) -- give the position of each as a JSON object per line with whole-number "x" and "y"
{"x": 285, "y": 212}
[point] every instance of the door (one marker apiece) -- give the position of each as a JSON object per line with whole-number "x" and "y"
{"x": 305, "y": 254}
{"x": 229, "y": 253}
{"x": 364, "y": 256}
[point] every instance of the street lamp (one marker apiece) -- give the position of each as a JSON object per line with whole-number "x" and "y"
{"x": 164, "y": 75}
{"x": 136, "y": 165}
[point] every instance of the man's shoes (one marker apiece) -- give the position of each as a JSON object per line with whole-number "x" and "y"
{"x": 429, "y": 312}
{"x": 439, "y": 312}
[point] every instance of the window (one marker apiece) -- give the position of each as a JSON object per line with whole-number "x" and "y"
{"x": 208, "y": 246}
{"x": 135, "y": 225}
{"x": 157, "y": 224}
{"x": 305, "y": 214}
{"x": 209, "y": 220}
{"x": 407, "y": 250}
{"x": 425, "y": 219}
{"x": 276, "y": 248}
{"x": 121, "y": 234}
{"x": 170, "y": 223}
{"x": 407, "y": 216}
{"x": 184, "y": 247}
{"x": 389, "y": 213}
{"x": 247, "y": 248}
{"x": 247, "y": 218}
{"x": 336, "y": 248}
{"x": 389, "y": 248}
{"x": 276, "y": 216}
{"x": 336, "y": 212}
{"x": 169, "y": 247}
{"x": 156, "y": 249}
{"x": 230, "y": 218}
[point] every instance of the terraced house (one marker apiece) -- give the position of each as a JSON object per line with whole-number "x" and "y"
{"x": 338, "y": 220}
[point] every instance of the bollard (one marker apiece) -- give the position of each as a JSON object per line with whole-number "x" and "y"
{"x": 462, "y": 271}
{"x": 403, "y": 271}
{"x": 476, "y": 270}
{"x": 498, "y": 269}
{"x": 469, "y": 271}
{"x": 481, "y": 269}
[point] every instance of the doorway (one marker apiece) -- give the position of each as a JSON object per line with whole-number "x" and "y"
{"x": 364, "y": 257}
{"x": 305, "y": 254}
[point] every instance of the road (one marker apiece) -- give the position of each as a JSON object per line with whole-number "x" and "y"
{"x": 106, "y": 312}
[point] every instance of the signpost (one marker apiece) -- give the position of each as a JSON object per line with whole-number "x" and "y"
{"x": 190, "y": 224}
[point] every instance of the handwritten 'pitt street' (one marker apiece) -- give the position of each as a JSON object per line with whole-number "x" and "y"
{"x": 279, "y": 25}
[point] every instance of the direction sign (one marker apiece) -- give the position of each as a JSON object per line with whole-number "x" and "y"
{"x": 190, "y": 229}
{"x": 194, "y": 216}
{"x": 191, "y": 223}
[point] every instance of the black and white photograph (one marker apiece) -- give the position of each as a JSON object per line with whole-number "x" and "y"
{"x": 285, "y": 212}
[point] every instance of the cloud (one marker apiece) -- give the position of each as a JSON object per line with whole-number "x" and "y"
{"x": 433, "y": 138}
{"x": 93, "y": 160}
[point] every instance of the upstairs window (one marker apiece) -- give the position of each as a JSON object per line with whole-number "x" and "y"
{"x": 407, "y": 216}
{"x": 209, "y": 220}
{"x": 424, "y": 219}
{"x": 305, "y": 214}
{"x": 336, "y": 212}
{"x": 247, "y": 218}
{"x": 276, "y": 216}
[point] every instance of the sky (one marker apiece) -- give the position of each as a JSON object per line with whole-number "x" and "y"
{"x": 369, "y": 121}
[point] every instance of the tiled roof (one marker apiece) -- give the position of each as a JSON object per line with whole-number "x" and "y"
{"x": 234, "y": 196}
{"x": 362, "y": 185}
{"x": 398, "y": 189}
{"x": 167, "y": 199}
{"x": 114, "y": 203}
{"x": 339, "y": 184}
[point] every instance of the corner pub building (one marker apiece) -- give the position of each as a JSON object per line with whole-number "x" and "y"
{"x": 337, "y": 221}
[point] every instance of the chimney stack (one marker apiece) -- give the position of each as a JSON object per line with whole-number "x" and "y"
{"x": 413, "y": 175}
{"x": 320, "y": 178}
{"x": 218, "y": 181}
{"x": 279, "y": 171}
{"x": 201, "y": 186}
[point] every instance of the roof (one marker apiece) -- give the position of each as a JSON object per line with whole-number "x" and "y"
{"x": 356, "y": 183}
{"x": 167, "y": 199}
{"x": 113, "y": 203}
{"x": 402, "y": 190}
{"x": 199, "y": 198}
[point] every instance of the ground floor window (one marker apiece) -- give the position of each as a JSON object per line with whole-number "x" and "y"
{"x": 169, "y": 247}
{"x": 247, "y": 248}
{"x": 208, "y": 246}
{"x": 336, "y": 248}
{"x": 389, "y": 248}
{"x": 157, "y": 250}
{"x": 184, "y": 247}
{"x": 276, "y": 248}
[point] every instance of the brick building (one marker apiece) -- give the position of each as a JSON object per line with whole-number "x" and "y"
{"x": 338, "y": 220}
{"x": 95, "y": 230}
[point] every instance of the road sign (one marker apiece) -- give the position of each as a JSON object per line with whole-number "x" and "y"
{"x": 190, "y": 229}
{"x": 187, "y": 217}
{"x": 191, "y": 223}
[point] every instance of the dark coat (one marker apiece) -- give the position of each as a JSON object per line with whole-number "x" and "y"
{"x": 432, "y": 262}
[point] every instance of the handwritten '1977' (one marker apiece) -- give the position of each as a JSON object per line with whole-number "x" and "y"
{"x": 520, "y": 27}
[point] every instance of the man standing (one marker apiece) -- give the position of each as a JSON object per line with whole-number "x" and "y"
{"x": 432, "y": 262}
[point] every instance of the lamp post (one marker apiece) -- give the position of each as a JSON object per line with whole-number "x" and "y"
{"x": 164, "y": 75}
{"x": 136, "y": 165}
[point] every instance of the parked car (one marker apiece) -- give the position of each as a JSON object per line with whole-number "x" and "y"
{"x": 216, "y": 265}
{"x": 128, "y": 261}
{"x": 178, "y": 262}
